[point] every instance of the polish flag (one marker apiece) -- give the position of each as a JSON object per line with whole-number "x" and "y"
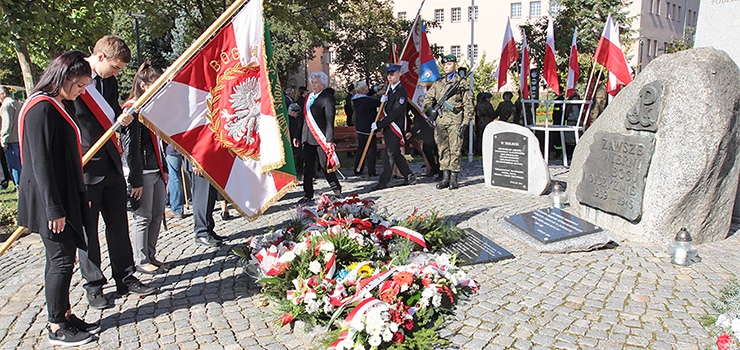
{"x": 524, "y": 69}
{"x": 609, "y": 54}
{"x": 550, "y": 69}
{"x": 573, "y": 68}
{"x": 418, "y": 67}
{"x": 509, "y": 55}
{"x": 223, "y": 110}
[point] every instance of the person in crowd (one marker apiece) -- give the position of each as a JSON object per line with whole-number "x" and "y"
{"x": 318, "y": 136}
{"x": 452, "y": 122}
{"x": 175, "y": 186}
{"x": 506, "y": 111}
{"x": 9, "y": 132}
{"x": 289, "y": 96}
{"x": 300, "y": 97}
{"x": 365, "y": 111}
{"x": 296, "y": 128}
{"x": 52, "y": 199}
{"x": 421, "y": 137}
{"x": 348, "y": 110}
{"x": 103, "y": 174}
{"x": 393, "y": 125}
{"x": 225, "y": 215}
{"x": 204, "y": 200}
{"x": 142, "y": 155}
{"x": 484, "y": 114}
{"x": 600, "y": 101}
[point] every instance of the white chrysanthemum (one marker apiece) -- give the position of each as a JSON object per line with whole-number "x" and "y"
{"x": 387, "y": 335}
{"x": 287, "y": 257}
{"x": 359, "y": 346}
{"x": 328, "y": 307}
{"x": 443, "y": 259}
{"x": 437, "y": 299}
{"x": 393, "y": 326}
{"x": 314, "y": 267}
{"x": 375, "y": 340}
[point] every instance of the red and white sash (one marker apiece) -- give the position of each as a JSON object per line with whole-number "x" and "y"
{"x": 155, "y": 140}
{"x": 395, "y": 128}
{"x": 100, "y": 108}
{"x": 332, "y": 160}
{"x": 32, "y": 101}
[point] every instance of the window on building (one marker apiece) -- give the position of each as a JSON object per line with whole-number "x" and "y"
{"x": 472, "y": 14}
{"x": 456, "y": 14}
{"x": 402, "y": 16}
{"x": 516, "y": 10}
{"x": 667, "y": 10}
{"x": 455, "y": 50}
{"x": 439, "y": 15}
{"x": 474, "y": 53}
{"x": 657, "y": 7}
{"x": 555, "y": 7}
{"x": 648, "y": 51}
{"x": 655, "y": 48}
{"x": 535, "y": 8}
{"x": 331, "y": 58}
{"x": 674, "y": 16}
{"x": 680, "y": 17}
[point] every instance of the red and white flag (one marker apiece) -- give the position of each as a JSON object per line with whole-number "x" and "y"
{"x": 524, "y": 69}
{"x": 223, "y": 110}
{"x": 509, "y": 55}
{"x": 573, "y": 68}
{"x": 609, "y": 54}
{"x": 418, "y": 67}
{"x": 550, "y": 69}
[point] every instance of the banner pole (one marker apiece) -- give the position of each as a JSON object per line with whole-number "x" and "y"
{"x": 370, "y": 139}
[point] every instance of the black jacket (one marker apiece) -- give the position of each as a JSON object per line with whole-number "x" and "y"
{"x": 323, "y": 110}
{"x": 395, "y": 110}
{"x": 366, "y": 109}
{"x": 106, "y": 158}
{"x": 139, "y": 153}
{"x": 51, "y": 181}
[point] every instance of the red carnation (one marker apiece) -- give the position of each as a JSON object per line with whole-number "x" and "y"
{"x": 397, "y": 338}
{"x": 723, "y": 341}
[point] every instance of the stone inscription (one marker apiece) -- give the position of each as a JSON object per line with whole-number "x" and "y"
{"x": 552, "y": 225}
{"x": 715, "y": 2}
{"x": 614, "y": 174}
{"x": 475, "y": 248}
{"x": 510, "y": 161}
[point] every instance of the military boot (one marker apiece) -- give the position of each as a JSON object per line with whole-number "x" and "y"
{"x": 445, "y": 180}
{"x": 453, "y": 181}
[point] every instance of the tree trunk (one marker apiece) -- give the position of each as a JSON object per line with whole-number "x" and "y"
{"x": 21, "y": 49}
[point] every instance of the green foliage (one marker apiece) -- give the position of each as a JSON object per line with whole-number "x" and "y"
{"x": 729, "y": 300}
{"x": 680, "y": 44}
{"x": 484, "y": 80}
{"x": 590, "y": 17}
{"x": 437, "y": 231}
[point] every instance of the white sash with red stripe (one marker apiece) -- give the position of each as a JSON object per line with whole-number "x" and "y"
{"x": 32, "y": 101}
{"x": 396, "y": 130}
{"x": 155, "y": 139}
{"x": 332, "y": 160}
{"x": 100, "y": 108}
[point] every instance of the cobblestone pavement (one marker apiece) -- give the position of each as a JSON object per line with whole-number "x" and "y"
{"x": 627, "y": 297}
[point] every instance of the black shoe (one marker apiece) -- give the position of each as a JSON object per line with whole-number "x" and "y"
{"x": 92, "y": 328}
{"x": 68, "y": 335}
{"x": 207, "y": 242}
{"x": 410, "y": 179}
{"x": 378, "y": 187}
{"x": 453, "y": 181}
{"x": 372, "y": 174}
{"x": 136, "y": 288}
{"x": 438, "y": 176}
{"x": 217, "y": 237}
{"x": 97, "y": 300}
{"x": 445, "y": 180}
{"x": 304, "y": 200}
{"x": 225, "y": 215}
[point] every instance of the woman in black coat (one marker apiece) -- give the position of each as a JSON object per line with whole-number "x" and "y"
{"x": 51, "y": 199}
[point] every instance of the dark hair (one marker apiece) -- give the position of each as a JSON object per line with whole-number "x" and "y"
{"x": 508, "y": 93}
{"x": 146, "y": 74}
{"x": 4, "y": 90}
{"x": 69, "y": 65}
{"x": 113, "y": 47}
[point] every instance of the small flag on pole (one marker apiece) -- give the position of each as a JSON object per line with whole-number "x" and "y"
{"x": 509, "y": 55}
{"x": 609, "y": 54}
{"x": 573, "y": 68}
{"x": 550, "y": 71}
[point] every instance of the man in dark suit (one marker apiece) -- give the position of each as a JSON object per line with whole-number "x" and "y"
{"x": 393, "y": 124}
{"x": 103, "y": 175}
{"x": 318, "y": 136}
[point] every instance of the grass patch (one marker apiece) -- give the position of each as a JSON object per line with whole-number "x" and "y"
{"x": 8, "y": 208}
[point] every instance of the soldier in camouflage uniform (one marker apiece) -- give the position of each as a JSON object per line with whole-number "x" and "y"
{"x": 452, "y": 122}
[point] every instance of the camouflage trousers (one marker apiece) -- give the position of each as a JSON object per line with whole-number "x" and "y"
{"x": 449, "y": 142}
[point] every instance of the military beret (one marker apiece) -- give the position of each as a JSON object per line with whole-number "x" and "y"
{"x": 449, "y": 58}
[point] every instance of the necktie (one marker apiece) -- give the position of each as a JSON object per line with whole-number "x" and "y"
{"x": 99, "y": 84}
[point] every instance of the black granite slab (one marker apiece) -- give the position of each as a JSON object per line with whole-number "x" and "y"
{"x": 552, "y": 225}
{"x": 475, "y": 248}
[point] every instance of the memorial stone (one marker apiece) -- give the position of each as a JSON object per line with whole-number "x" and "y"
{"x": 512, "y": 159}
{"x": 553, "y": 230}
{"x": 474, "y": 248}
{"x": 665, "y": 153}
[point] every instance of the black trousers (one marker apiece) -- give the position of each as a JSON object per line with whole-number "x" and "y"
{"x": 204, "y": 199}
{"x": 372, "y": 154}
{"x": 60, "y": 262}
{"x": 5, "y": 173}
{"x": 310, "y": 153}
{"x": 108, "y": 198}
{"x": 393, "y": 157}
{"x": 425, "y": 133}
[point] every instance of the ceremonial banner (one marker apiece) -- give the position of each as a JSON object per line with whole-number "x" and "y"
{"x": 573, "y": 68}
{"x": 609, "y": 54}
{"x": 550, "y": 72}
{"x": 508, "y": 55}
{"x": 224, "y": 111}
{"x": 524, "y": 68}
{"x": 418, "y": 67}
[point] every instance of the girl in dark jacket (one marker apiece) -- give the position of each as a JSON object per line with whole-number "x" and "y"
{"x": 51, "y": 199}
